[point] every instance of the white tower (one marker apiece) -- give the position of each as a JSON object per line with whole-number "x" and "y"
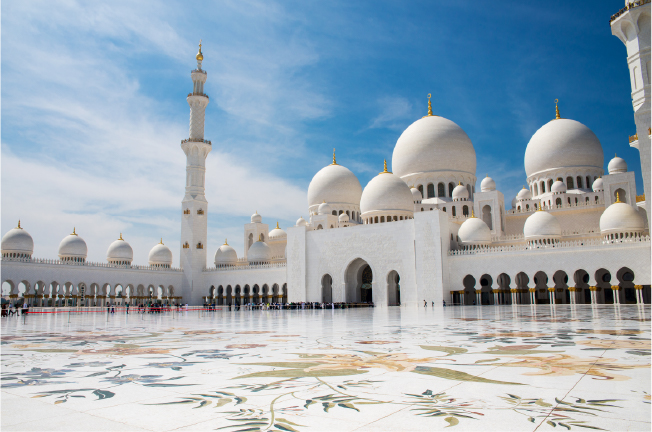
{"x": 194, "y": 206}
{"x": 632, "y": 26}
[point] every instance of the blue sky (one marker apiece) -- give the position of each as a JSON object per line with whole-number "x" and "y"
{"x": 93, "y": 102}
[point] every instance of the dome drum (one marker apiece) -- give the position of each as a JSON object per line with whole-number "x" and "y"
{"x": 441, "y": 184}
{"x": 579, "y": 178}
{"x": 382, "y": 216}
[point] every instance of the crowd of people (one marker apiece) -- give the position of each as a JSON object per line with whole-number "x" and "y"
{"x": 8, "y": 310}
{"x": 210, "y": 307}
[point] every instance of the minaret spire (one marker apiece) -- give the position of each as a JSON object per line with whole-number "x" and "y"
{"x": 557, "y": 116}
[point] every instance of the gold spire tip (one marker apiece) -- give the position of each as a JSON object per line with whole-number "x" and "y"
{"x": 19, "y": 227}
{"x": 385, "y": 167}
{"x": 429, "y": 105}
{"x": 618, "y": 197}
{"x": 277, "y": 227}
{"x": 199, "y": 56}
{"x": 121, "y": 237}
{"x": 73, "y": 231}
{"x": 557, "y": 117}
{"x": 161, "y": 240}
{"x": 472, "y": 212}
{"x": 334, "y": 161}
{"x": 225, "y": 243}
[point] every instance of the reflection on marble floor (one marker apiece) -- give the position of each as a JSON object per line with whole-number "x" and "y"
{"x": 472, "y": 368}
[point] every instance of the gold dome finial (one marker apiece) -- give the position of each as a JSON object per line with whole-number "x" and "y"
{"x": 161, "y": 240}
{"x": 121, "y": 237}
{"x": 200, "y": 56}
{"x": 19, "y": 227}
{"x": 385, "y": 167}
{"x": 225, "y": 243}
{"x": 557, "y": 117}
{"x": 277, "y": 227}
{"x": 618, "y": 198}
{"x": 334, "y": 161}
{"x": 73, "y": 231}
{"x": 429, "y": 105}
{"x": 472, "y": 212}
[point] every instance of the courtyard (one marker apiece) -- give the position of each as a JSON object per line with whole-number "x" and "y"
{"x": 520, "y": 368}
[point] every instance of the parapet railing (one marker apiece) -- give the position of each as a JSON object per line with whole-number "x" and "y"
{"x": 560, "y": 245}
{"x": 198, "y": 94}
{"x": 89, "y": 264}
{"x": 629, "y": 6}
{"x": 562, "y": 206}
{"x": 245, "y": 267}
{"x": 205, "y": 141}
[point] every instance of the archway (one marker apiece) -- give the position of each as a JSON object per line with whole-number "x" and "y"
{"x": 522, "y": 280}
{"x": 603, "y": 281}
{"x": 358, "y": 288}
{"x": 285, "y": 293}
{"x": 275, "y": 298}
{"x": 256, "y": 291}
{"x": 469, "y": 290}
{"x": 581, "y": 279}
{"x": 625, "y": 278}
{"x": 541, "y": 294}
{"x": 486, "y": 216}
{"x": 229, "y": 295}
{"x": 327, "y": 289}
{"x": 504, "y": 281}
{"x": 486, "y": 282}
{"x": 393, "y": 289}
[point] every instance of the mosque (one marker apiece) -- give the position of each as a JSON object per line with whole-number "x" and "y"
{"x": 420, "y": 232}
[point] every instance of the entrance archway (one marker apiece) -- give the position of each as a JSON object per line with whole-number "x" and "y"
{"x": 359, "y": 282}
{"x": 393, "y": 289}
{"x": 327, "y": 289}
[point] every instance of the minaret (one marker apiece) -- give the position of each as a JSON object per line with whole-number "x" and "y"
{"x": 194, "y": 206}
{"x": 632, "y": 26}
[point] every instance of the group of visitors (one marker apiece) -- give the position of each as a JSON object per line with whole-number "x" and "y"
{"x": 289, "y": 306}
{"x": 7, "y": 309}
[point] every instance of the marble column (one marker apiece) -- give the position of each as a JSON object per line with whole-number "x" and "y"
{"x": 533, "y": 296}
{"x": 639, "y": 294}
{"x": 573, "y": 299}
{"x": 478, "y": 297}
{"x": 551, "y": 294}
{"x": 616, "y": 291}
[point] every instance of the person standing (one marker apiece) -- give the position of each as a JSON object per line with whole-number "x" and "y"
{"x": 425, "y": 303}
{"x": 127, "y": 308}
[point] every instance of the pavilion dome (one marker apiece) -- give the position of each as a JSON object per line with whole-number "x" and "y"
{"x": 343, "y": 218}
{"x": 558, "y": 187}
{"x": 487, "y": 185}
{"x": 474, "y": 232}
{"x": 277, "y": 233}
{"x": 460, "y": 193}
{"x": 598, "y": 185}
{"x": 621, "y": 218}
{"x": 19, "y": 242}
{"x": 542, "y": 225}
{"x": 386, "y": 192}
{"x": 431, "y": 144}
{"x": 259, "y": 253}
{"x": 324, "y": 209}
{"x": 524, "y": 194}
{"x": 256, "y": 218}
{"x": 120, "y": 252}
{"x": 73, "y": 247}
{"x": 160, "y": 255}
{"x": 226, "y": 255}
{"x": 617, "y": 165}
{"x": 301, "y": 222}
{"x": 416, "y": 195}
{"x": 563, "y": 143}
{"x": 334, "y": 184}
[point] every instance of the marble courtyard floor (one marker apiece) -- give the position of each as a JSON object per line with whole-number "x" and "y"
{"x": 520, "y": 368}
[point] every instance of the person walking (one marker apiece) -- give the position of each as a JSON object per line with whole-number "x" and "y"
{"x": 127, "y": 308}
{"x": 425, "y": 303}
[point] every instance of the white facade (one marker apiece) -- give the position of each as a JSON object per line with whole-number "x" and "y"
{"x": 422, "y": 233}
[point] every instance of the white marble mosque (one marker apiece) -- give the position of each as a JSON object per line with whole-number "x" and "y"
{"x": 421, "y": 230}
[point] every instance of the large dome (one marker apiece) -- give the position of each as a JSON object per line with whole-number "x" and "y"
{"x": 17, "y": 241}
{"x": 620, "y": 218}
{"x": 334, "y": 184}
{"x": 226, "y": 255}
{"x": 474, "y": 232}
{"x": 259, "y": 253}
{"x": 431, "y": 144}
{"x": 120, "y": 252}
{"x": 277, "y": 233}
{"x": 160, "y": 255}
{"x": 563, "y": 143}
{"x": 73, "y": 246}
{"x": 542, "y": 226}
{"x": 386, "y": 192}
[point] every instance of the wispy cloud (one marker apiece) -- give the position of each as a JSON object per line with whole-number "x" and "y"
{"x": 395, "y": 111}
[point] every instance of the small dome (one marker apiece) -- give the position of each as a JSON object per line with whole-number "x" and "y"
{"x": 431, "y": 144}
{"x": 619, "y": 218}
{"x": 541, "y": 225}
{"x": 256, "y": 218}
{"x": 324, "y": 209}
{"x": 160, "y": 255}
{"x": 259, "y": 253}
{"x": 617, "y": 165}
{"x": 301, "y": 221}
{"x": 563, "y": 143}
{"x": 334, "y": 184}
{"x": 460, "y": 193}
{"x": 120, "y": 252}
{"x": 416, "y": 195}
{"x": 18, "y": 241}
{"x": 343, "y": 217}
{"x": 558, "y": 187}
{"x": 226, "y": 255}
{"x": 474, "y": 232}
{"x": 487, "y": 185}
{"x": 277, "y": 233}
{"x": 598, "y": 185}
{"x": 524, "y": 194}
{"x": 72, "y": 247}
{"x": 386, "y": 192}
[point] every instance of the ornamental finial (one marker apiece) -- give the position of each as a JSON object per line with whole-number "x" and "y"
{"x": 472, "y": 212}
{"x": 557, "y": 117}
{"x": 19, "y": 227}
{"x": 200, "y": 56}
{"x": 73, "y": 231}
{"x": 225, "y": 243}
{"x": 334, "y": 162}
{"x": 618, "y": 197}
{"x": 161, "y": 240}
{"x": 429, "y": 105}
{"x": 121, "y": 237}
{"x": 385, "y": 167}
{"x": 277, "y": 227}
